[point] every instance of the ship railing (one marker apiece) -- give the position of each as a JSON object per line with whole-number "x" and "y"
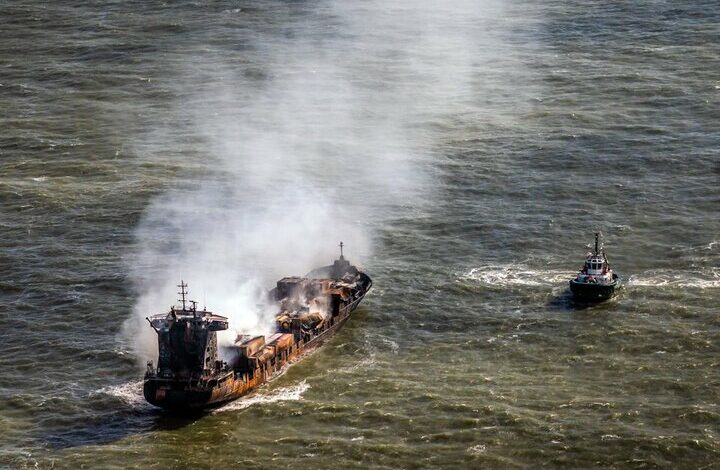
{"x": 352, "y": 305}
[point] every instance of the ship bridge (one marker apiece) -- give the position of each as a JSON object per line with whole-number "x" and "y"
{"x": 595, "y": 265}
{"x": 186, "y": 340}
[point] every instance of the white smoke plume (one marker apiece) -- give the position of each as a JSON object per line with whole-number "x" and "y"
{"x": 305, "y": 139}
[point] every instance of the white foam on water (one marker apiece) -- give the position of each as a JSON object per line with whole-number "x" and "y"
{"x": 477, "y": 449}
{"x": 394, "y": 347}
{"x": 521, "y": 275}
{"x": 498, "y": 275}
{"x": 293, "y": 393}
{"x": 694, "y": 279}
{"x": 131, "y": 393}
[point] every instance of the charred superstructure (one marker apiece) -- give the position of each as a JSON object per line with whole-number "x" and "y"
{"x": 187, "y": 354}
{"x": 190, "y": 373}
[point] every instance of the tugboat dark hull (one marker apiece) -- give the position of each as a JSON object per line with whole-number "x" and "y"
{"x": 592, "y": 292}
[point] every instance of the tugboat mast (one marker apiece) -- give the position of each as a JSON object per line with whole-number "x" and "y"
{"x": 597, "y": 237}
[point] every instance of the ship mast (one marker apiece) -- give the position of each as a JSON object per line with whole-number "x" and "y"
{"x": 597, "y": 237}
{"x": 182, "y": 293}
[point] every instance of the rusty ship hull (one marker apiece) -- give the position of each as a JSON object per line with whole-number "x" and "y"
{"x": 256, "y": 361}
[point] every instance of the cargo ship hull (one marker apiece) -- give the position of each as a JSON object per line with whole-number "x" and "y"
{"x": 232, "y": 381}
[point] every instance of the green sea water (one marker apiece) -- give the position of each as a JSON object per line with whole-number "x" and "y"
{"x": 467, "y": 152}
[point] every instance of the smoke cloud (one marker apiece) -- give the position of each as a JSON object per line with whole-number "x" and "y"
{"x": 316, "y": 132}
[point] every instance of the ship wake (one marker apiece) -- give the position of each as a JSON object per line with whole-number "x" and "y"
{"x": 515, "y": 275}
{"x": 129, "y": 393}
{"x": 498, "y": 275}
{"x": 293, "y": 393}
{"x": 698, "y": 279}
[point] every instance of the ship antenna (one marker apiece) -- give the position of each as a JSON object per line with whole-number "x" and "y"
{"x": 597, "y": 237}
{"x": 341, "y": 250}
{"x": 182, "y": 292}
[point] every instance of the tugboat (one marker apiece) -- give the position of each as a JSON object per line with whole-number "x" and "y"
{"x": 194, "y": 372}
{"x": 596, "y": 281}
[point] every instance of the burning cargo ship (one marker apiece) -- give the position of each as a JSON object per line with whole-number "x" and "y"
{"x": 190, "y": 373}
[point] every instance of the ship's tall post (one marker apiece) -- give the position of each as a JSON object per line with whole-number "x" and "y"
{"x": 597, "y": 238}
{"x": 182, "y": 293}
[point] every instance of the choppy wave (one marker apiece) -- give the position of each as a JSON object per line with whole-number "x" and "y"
{"x": 477, "y": 449}
{"x": 293, "y": 393}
